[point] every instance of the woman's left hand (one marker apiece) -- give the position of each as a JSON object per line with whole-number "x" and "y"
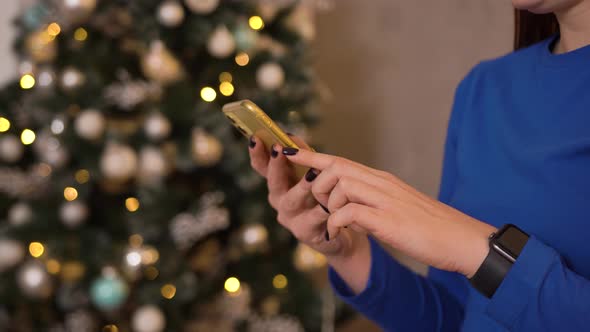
{"x": 395, "y": 213}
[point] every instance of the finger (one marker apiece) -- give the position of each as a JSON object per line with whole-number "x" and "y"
{"x": 360, "y": 215}
{"x": 334, "y": 192}
{"x": 300, "y": 195}
{"x": 278, "y": 173}
{"x": 300, "y": 142}
{"x": 258, "y": 156}
{"x": 310, "y": 225}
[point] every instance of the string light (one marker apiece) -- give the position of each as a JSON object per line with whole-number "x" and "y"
{"x": 53, "y": 266}
{"x": 4, "y": 124}
{"x": 225, "y": 77}
{"x": 208, "y": 94}
{"x": 27, "y": 81}
{"x": 242, "y": 59}
{"x": 232, "y": 284}
{"x": 133, "y": 258}
{"x": 132, "y": 204}
{"x": 149, "y": 255}
{"x": 80, "y": 34}
{"x": 226, "y": 88}
{"x": 168, "y": 291}
{"x": 53, "y": 29}
{"x": 27, "y": 136}
{"x": 279, "y": 281}
{"x": 256, "y": 22}
{"x": 82, "y": 176}
{"x": 70, "y": 193}
{"x": 36, "y": 249}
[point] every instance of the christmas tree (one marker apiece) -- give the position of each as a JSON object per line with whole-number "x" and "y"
{"x": 127, "y": 200}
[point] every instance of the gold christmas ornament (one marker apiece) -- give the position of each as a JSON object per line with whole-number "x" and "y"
{"x": 160, "y": 65}
{"x": 170, "y": 14}
{"x": 72, "y": 271}
{"x": 202, "y": 6}
{"x": 206, "y": 256}
{"x": 207, "y": 150}
{"x": 221, "y": 43}
{"x": 118, "y": 162}
{"x": 41, "y": 46}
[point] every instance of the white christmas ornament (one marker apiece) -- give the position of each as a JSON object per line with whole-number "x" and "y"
{"x": 12, "y": 253}
{"x": 11, "y": 150}
{"x": 71, "y": 78}
{"x": 221, "y": 43}
{"x": 90, "y": 124}
{"x": 270, "y": 76}
{"x": 152, "y": 163}
{"x": 202, "y": 6}
{"x": 170, "y": 14}
{"x": 33, "y": 280}
{"x": 73, "y": 213}
{"x": 207, "y": 150}
{"x": 148, "y": 318}
{"x": 20, "y": 214}
{"x": 157, "y": 126}
{"x": 50, "y": 150}
{"x": 118, "y": 162}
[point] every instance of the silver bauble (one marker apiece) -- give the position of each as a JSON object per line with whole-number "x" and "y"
{"x": 148, "y": 318}
{"x": 90, "y": 124}
{"x": 34, "y": 281}
{"x": 73, "y": 214}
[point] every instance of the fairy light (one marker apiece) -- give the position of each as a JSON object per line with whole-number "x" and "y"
{"x": 279, "y": 281}
{"x": 256, "y": 22}
{"x": 226, "y": 88}
{"x": 232, "y": 285}
{"x": 82, "y": 176}
{"x": 242, "y": 59}
{"x": 225, "y": 77}
{"x": 208, "y": 94}
{"x": 27, "y": 136}
{"x": 132, "y": 204}
{"x": 70, "y": 193}
{"x": 4, "y": 124}
{"x": 168, "y": 291}
{"x": 53, "y": 29}
{"x": 36, "y": 249}
{"x": 80, "y": 34}
{"x": 27, "y": 81}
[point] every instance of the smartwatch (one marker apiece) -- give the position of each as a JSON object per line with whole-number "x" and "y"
{"x": 505, "y": 247}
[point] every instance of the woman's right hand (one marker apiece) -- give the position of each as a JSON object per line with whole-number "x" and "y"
{"x": 297, "y": 209}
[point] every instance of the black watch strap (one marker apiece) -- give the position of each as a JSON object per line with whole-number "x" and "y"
{"x": 490, "y": 274}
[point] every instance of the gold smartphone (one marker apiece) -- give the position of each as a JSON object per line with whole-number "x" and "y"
{"x": 250, "y": 120}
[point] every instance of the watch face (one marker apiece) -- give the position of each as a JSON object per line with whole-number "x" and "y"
{"x": 511, "y": 240}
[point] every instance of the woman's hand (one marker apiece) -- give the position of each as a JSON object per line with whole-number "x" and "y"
{"x": 297, "y": 209}
{"x": 395, "y": 213}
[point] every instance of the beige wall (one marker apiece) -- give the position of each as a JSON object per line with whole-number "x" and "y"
{"x": 392, "y": 68}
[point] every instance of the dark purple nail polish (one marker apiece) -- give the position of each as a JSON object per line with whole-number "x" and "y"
{"x": 273, "y": 153}
{"x": 290, "y": 151}
{"x": 325, "y": 208}
{"x": 311, "y": 175}
{"x": 327, "y": 235}
{"x": 252, "y": 142}
{"x": 289, "y": 134}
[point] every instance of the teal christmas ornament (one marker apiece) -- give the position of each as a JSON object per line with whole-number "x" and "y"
{"x": 108, "y": 292}
{"x": 35, "y": 16}
{"x": 245, "y": 37}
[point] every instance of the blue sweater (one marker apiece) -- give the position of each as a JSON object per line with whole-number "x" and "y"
{"x": 517, "y": 151}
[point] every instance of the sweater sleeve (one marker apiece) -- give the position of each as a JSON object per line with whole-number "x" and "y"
{"x": 551, "y": 297}
{"x": 396, "y": 298}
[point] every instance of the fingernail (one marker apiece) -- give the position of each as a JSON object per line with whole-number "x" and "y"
{"x": 327, "y": 235}
{"x": 289, "y": 134}
{"x": 252, "y": 142}
{"x": 274, "y": 153}
{"x": 287, "y": 151}
{"x": 325, "y": 208}
{"x": 311, "y": 175}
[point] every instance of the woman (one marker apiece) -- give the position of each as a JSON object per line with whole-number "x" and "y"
{"x": 517, "y": 152}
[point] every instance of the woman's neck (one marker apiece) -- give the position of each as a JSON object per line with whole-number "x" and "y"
{"x": 574, "y": 27}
